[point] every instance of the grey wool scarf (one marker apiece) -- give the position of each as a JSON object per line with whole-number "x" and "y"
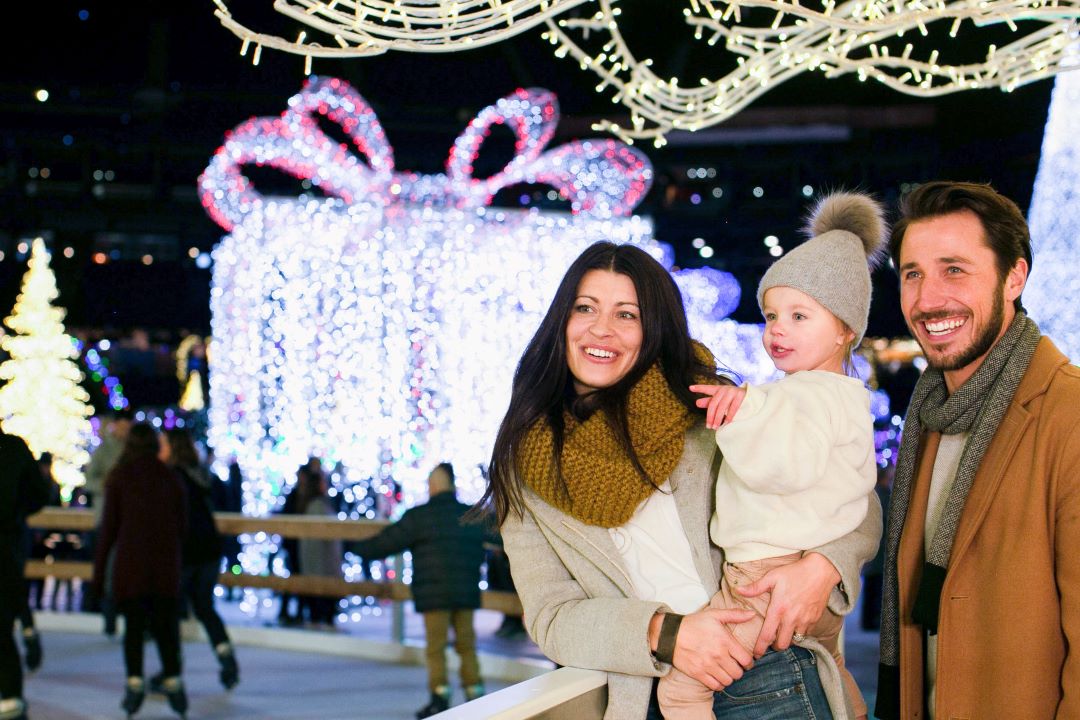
{"x": 976, "y": 407}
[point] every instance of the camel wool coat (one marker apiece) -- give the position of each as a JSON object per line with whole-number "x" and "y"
{"x": 579, "y": 603}
{"x": 1010, "y": 604}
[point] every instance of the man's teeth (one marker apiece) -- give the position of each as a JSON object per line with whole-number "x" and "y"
{"x": 597, "y": 352}
{"x": 941, "y": 327}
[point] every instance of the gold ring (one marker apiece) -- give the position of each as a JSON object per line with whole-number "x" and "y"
{"x": 797, "y": 637}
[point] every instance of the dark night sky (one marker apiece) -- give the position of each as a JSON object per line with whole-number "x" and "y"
{"x": 147, "y": 89}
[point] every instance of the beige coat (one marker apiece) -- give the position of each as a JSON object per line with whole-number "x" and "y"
{"x": 579, "y": 601}
{"x": 1010, "y": 605}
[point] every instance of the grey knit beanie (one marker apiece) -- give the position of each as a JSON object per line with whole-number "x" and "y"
{"x": 847, "y": 232}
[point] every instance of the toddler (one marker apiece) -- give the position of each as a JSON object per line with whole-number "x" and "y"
{"x": 798, "y": 454}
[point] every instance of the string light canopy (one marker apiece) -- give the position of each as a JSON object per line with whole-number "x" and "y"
{"x": 362, "y": 28}
{"x": 908, "y": 45}
{"x": 774, "y": 40}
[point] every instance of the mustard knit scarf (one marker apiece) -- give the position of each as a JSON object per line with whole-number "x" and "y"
{"x": 602, "y": 487}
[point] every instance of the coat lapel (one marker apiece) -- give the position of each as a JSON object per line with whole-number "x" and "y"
{"x": 592, "y": 542}
{"x": 1044, "y": 364}
{"x": 692, "y": 482}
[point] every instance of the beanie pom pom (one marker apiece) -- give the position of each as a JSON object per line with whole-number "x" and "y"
{"x": 855, "y": 213}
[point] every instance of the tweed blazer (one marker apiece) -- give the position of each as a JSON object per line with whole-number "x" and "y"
{"x": 1009, "y": 618}
{"x": 579, "y": 601}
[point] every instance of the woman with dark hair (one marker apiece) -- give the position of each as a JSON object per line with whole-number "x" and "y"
{"x": 201, "y": 552}
{"x": 145, "y": 520}
{"x": 320, "y": 558}
{"x": 602, "y": 482}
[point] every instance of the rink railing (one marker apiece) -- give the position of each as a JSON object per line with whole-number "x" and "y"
{"x": 562, "y": 694}
{"x": 297, "y": 526}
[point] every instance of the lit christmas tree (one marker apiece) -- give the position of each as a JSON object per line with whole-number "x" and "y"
{"x": 1055, "y": 220}
{"x": 42, "y": 401}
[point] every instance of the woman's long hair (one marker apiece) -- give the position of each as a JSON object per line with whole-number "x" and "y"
{"x": 182, "y": 450}
{"x": 142, "y": 442}
{"x": 543, "y": 385}
{"x": 309, "y": 486}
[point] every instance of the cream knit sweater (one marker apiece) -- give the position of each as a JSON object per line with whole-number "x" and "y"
{"x": 798, "y": 465}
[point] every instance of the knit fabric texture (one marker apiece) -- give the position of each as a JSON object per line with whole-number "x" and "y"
{"x": 833, "y": 266}
{"x": 602, "y": 487}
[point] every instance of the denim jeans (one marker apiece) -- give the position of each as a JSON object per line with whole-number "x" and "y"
{"x": 782, "y": 685}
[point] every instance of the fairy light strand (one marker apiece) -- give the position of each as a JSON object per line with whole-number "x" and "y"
{"x": 771, "y": 41}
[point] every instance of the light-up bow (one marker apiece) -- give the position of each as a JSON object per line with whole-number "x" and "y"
{"x": 601, "y": 178}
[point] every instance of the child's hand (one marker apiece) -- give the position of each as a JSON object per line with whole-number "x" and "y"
{"x": 722, "y": 405}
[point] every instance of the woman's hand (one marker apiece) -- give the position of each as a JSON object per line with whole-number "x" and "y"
{"x": 723, "y": 402}
{"x": 800, "y": 592}
{"x": 707, "y": 651}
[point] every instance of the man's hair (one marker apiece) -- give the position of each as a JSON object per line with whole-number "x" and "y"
{"x": 1004, "y": 226}
{"x": 449, "y": 470}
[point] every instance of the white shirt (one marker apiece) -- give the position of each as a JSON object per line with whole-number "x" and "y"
{"x": 942, "y": 480}
{"x": 799, "y": 464}
{"x": 657, "y": 554}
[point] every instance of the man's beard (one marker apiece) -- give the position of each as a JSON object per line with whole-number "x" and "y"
{"x": 982, "y": 342}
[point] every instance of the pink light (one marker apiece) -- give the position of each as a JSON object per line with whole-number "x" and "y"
{"x": 602, "y": 178}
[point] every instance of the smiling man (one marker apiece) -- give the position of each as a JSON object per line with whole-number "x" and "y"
{"x": 981, "y": 610}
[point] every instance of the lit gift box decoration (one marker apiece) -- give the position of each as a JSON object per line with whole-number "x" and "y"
{"x": 378, "y": 328}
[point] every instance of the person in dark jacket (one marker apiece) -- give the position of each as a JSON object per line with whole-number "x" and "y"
{"x": 446, "y": 558}
{"x": 228, "y": 496}
{"x": 317, "y": 557}
{"x": 29, "y": 545}
{"x": 23, "y": 490}
{"x": 145, "y": 520}
{"x": 289, "y": 550}
{"x": 201, "y": 552}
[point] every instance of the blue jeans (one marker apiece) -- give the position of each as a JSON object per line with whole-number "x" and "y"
{"x": 782, "y": 685}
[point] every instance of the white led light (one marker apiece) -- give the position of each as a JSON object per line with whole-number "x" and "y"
{"x": 42, "y": 401}
{"x": 379, "y": 331}
{"x": 765, "y": 42}
{"x": 1054, "y": 217}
